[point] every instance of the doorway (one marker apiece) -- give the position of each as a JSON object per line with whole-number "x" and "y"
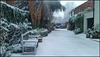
{"x": 90, "y": 23}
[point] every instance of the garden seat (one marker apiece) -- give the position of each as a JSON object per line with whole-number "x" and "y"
{"x": 29, "y": 45}
{"x": 39, "y": 37}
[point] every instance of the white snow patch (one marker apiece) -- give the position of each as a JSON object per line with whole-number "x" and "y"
{"x": 14, "y": 25}
{"x": 12, "y": 6}
{"x": 4, "y": 28}
{"x": 62, "y": 42}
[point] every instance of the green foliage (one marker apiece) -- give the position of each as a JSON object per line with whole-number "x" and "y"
{"x": 96, "y": 30}
{"x": 13, "y": 23}
{"x": 89, "y": 31}
{"x": 11, "y": 35}
{"x": 79, "y": 21}
{"x": 72, "y": 23}
{"x": 43, "y": 32}
{"x": 55, "y": 5}
{"x": 87, "y": 9}
{"x": 76, "y": 22}
{"x": 13, "y": 14}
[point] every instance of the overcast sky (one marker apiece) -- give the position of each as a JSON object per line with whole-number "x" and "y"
{"x": 61, "y": 13}
{"x": 76, "y": 2}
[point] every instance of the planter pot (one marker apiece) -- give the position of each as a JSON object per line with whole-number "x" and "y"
{"x": 40, "y": 40}
{"x": 94, "y": 36}
{"x": 87, "y": 36}
{"x": 98, "y": 36}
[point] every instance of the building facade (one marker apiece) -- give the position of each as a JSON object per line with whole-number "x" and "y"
{"x": 91, "y": 18}
{"x": 88, "y": 16}
{"x": 88, "y": 21}
{"x": 82, "y": 7}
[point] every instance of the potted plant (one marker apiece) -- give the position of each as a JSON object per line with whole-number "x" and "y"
{"x": 98, "y": 34}
{"x": 91, "y": 33}
{"x": 88, "y": 33}
{"x": 95, "y": 34}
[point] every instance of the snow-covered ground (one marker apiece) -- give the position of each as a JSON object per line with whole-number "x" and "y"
{"x": 82, "y": 35}
{"x": 63, "y": 42}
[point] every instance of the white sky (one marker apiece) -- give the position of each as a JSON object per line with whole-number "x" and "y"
{"x": 76, "y": 2}
{"x": 61, "y": 13}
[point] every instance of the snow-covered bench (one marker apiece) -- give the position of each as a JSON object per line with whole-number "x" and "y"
{"x": 29, "y": 44}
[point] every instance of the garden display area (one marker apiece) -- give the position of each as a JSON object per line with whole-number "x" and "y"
{"x": 76, "y": 24}
{"x": 39, "y": 28}
{"x": 95, "y": 34}
{"x": 15, "y": 23}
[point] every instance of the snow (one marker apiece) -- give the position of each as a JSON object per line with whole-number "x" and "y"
{"x": 82, "y": 35}
{"x": 16, "y": 26}
{"x": 17, "y": 47}
{"x": 2, "y": 22}
{"x": 62, "y": 42}
{"x": 12, "y": 6}
{"x": 4, "y": 28}
{"x": 73, "y": 18}
{"x": 26, "y": 7}
{"x": 44, "y": 30}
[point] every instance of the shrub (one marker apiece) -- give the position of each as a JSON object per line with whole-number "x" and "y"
{"x": 71, "y": 23}
{"x": 13, "y": 23}
{"x": 79, "y": 22}
{"x": 43, "y": 32}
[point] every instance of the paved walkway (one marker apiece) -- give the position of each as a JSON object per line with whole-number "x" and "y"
{"x": 62, "y": 42}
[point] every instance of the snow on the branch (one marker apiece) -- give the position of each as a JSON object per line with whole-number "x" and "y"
{"x": 13, "y": 7}
{"x": 16, "y": 26}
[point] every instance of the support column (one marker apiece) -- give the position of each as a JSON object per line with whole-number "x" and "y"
{"x": 97, "y": 14}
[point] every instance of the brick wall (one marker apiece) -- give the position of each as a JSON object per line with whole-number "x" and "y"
{"x": 84, "y": 6}
{"x": 11, "y": 2}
